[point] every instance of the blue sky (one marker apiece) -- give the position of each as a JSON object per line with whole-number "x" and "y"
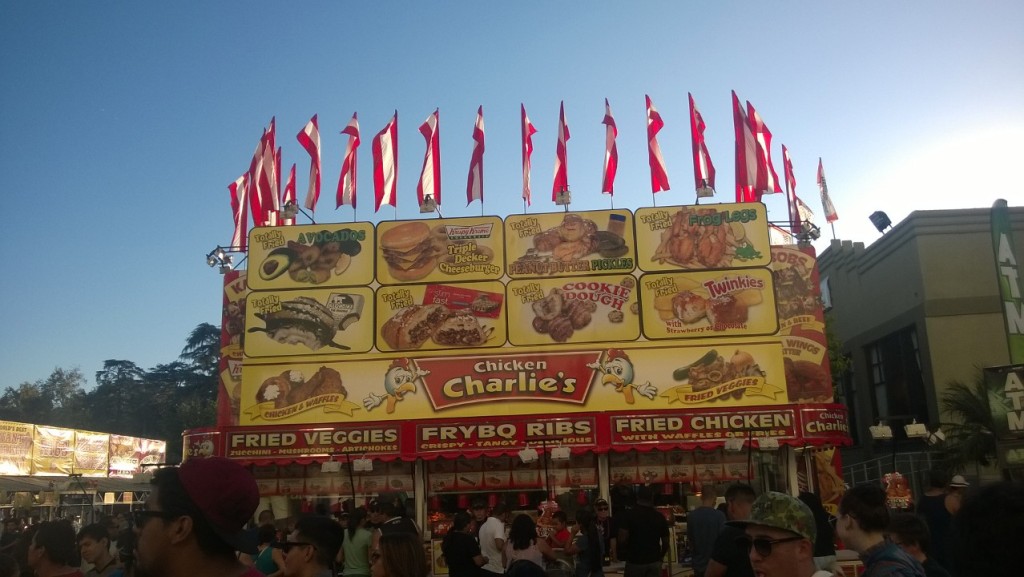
{"x": 122, "y": 123}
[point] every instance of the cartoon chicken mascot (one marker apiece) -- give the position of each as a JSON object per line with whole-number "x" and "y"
{"x": 399, "y": 379}
{"x": 617, "y": 371}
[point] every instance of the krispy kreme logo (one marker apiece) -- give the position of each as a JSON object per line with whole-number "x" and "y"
{"x": 471, "y": 232}
{"x": 455, "y": 382}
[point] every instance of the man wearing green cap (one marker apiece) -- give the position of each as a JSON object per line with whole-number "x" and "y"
{"x": 780, "y": 537}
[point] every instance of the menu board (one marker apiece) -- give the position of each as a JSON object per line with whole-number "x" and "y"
{"x": 309, "y": 322}
{"x": 53, "y": 451}
{"x": 441, "y": 316}
{"x": 708, "y": 303}
{"x": 440, "y": 251}
{"x": 575, "y": 310}
{"x": 315, "y": 256}
{"x": 570, "y": 244}
{"x": 91, "y": 453}
{"x": 15, "y": 448}
{"x": 596, "y": 310}
{"x": 702, "y": 237}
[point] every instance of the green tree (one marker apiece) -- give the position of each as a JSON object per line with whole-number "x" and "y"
{"x": 202, "y": 348}
{"x": 970, "y": 436}
{"x": 65, "y": 389}
{"x": 25, "y": 404}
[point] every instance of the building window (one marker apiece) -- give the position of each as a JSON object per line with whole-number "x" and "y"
{"x": 897, "y": 385}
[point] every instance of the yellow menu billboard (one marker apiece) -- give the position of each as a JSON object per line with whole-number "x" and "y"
{"x": 537, "y": 302}
{"x": 309, "y": 322}
{"x": 583, "y": 309}
{"x": 441, "y": 316}
{"x": 702, "y": 237}
{"x": 53, "y": 451}
{"x": 708, "y": 303}
{"x": 570, "y": 243}
{"x": 444, "y": 250}
{"x": 15, "y": 448}
{"x": 316, "y": 256}
{"x": 516, "y": 381}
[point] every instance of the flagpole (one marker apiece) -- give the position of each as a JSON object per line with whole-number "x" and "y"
{"x": 833, "y": 225}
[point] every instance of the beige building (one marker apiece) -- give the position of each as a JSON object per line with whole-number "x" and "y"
{"x": 916, "y": 309}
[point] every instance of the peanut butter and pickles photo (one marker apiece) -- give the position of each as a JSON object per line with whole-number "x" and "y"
{"x": 570, "y": 243}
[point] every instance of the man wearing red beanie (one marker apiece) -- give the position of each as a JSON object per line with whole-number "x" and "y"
{"x": 194, "y": 521}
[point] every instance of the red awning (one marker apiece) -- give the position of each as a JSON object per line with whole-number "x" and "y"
{"x": 706, "y": 429}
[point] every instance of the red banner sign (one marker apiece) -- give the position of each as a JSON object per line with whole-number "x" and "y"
{"x": 825, "y": 423}
{"x": 517, "y": 434}
{"x": 564, "y": 377}
{"x": 260, "y": 444}
{"x": 703, "y": 426}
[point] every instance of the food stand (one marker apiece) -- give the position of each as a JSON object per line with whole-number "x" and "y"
{"x": 533, "y": 359}
{"x": 48, "y": 472}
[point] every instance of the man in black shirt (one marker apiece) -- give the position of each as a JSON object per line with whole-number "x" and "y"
{"x": 727, "y": 558}
{"x": 461, "y": 551}
{"x": 644, "y": 533}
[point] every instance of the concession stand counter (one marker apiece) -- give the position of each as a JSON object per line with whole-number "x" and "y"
{"x": 542, "y": 360}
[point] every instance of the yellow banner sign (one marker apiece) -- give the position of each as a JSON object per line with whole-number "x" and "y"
{"x": 440, "y": 251}
{"x": 702, "y": 237}
{"x": 708, "y": 304}
{"x": 317, "y": 322}
{"x": 311, "y": 256}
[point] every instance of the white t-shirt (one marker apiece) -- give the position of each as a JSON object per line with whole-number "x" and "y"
{"x": 492, "y": 529}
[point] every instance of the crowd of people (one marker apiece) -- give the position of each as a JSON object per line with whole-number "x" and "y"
{"x": 969, "y": 534}
{"x": 196, "y": 522}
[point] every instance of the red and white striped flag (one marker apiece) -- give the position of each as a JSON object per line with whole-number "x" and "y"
{"x": 528, "y": 132}
{"x": 767, "y": 179}
{"x": 703, "y": 169}
{"x": 239, "y": 211}
{"x": 347, "y": 178}
{"x": 277, "y": 172}
{"x": 429, "y": 185}
{"x": 804, "y": 212}
{"x": 826, "y": 201}
{"x": 385, "y": 164}
{"x": 309, "y": 138}
{"x": 266, "y": 183}
{"x": 475, "y": 182}
{"x": 659, "y": 174}
{"x": 561, "y": 178}
{"x": 746, "y": 155}
{"x": 255, "y": 166}
{"x": 795, "y": 222}
{"x": 611, "y": 151}
{"x": 289, "y": 195}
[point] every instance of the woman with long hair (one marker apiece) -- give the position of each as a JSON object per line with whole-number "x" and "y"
{"x": 587, "y": 546}
{"x": 461, "y": 551}
{"x": 268, "y": 560}
{"x": 355, "y": 549}
{"x": 523, "y": 544}
{"x": 398, "y": 555}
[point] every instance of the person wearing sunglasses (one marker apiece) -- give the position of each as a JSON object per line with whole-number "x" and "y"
{"x": 609, "y": 531}
{"x": 312, "y": 547}
{"x": 861, "y": 524}
{"x": 193, "y": 522}
{"x": 779, "y": 537}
